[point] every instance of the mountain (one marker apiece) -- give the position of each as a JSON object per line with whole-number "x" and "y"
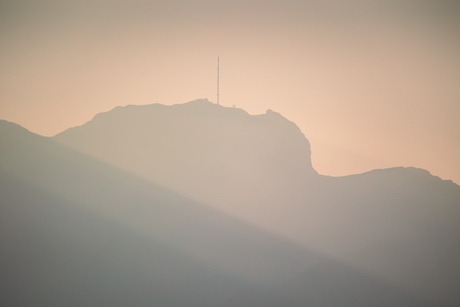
{"x": 201, "y": 205}
{"x": 401, "y": 224}
{"x": 203, "y": 150}
{"x": 223, "y": 157}
{"x": 76, "y": 231}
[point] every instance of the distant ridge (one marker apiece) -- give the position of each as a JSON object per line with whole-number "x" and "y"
{"x": 198, "y": 147}
{"x": 397, "y": 223}
{"x": 264, "y": 228}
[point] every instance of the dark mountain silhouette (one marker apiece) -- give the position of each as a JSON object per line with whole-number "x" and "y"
{"x": 263, "y": 228}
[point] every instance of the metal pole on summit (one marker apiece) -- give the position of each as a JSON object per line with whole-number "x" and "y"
{"x": 217, "y": 80}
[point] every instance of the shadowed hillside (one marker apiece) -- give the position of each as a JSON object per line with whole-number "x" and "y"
{"x": 75, "y": 228}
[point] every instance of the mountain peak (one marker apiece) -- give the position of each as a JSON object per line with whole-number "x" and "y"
{"x": 270, "y": 112}
{"x": 185, "y": 146}
{"x": 200, "y": 101}
{"x": 10, "y": 127}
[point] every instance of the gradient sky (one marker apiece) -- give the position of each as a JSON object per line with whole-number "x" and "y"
{"x": 372, "y": 84}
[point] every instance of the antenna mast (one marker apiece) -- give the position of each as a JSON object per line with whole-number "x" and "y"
{"x": 217, "y": 80}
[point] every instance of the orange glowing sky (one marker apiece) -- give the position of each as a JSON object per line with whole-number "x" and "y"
{"x": 372, "y": 84}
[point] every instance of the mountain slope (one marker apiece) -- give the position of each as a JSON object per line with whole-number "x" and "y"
{"x": 203, "y": 150}
{"x": 41, "y": 164}
{"x": 401, "y": 224}
{"x": 73, "y": 228}
{"x": 75, "y": 231}
{"x": 410, "y": 222}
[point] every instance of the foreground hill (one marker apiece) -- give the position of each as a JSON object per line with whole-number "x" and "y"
{"x": 399, "y": 224}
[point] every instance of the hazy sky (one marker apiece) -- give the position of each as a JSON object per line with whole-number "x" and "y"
{"x": 372, "y": 84}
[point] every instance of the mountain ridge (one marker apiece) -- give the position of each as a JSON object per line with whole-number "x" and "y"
{"x": 183, "y": 146}
{"x": 258, "y": 168}
{"x": 206, "y": 103}
{"x": 398, "y": 225}
{"x": 64, "y": 226}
